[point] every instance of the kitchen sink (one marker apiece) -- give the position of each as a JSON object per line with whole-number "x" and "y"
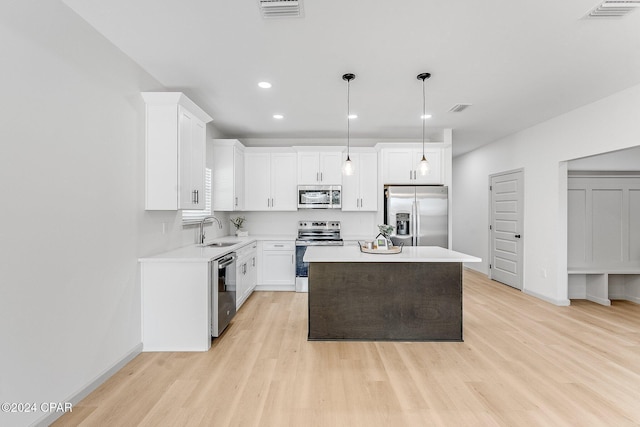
{"x": 220, "y": 244}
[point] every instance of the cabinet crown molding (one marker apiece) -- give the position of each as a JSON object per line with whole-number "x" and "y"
{"x": 176, "y": 98}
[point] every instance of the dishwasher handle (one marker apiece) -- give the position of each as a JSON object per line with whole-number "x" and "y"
{"x": 224, "y": 262}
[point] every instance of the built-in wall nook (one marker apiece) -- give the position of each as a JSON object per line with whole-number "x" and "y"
{"x": 603, "y": 208}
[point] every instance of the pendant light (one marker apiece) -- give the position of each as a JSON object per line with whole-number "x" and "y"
{"x": 347, "y": 168}
{"x": 424, "y": 163}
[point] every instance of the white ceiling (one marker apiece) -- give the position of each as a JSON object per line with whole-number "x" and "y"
{"x": 518, "y": 62}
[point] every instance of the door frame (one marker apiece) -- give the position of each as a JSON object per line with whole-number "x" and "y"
{"x": 489, "y": 231}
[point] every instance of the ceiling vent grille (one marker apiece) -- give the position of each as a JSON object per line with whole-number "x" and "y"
{"x": 459, "y": 107}
{"x": 281, "y": 8}
{"x": 613, "y": 9}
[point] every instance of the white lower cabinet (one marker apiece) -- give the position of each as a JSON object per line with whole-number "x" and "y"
{"x": 278, "y": 265}
{"x": 246, "y": 273}
{"x": 176, "y": 299}
{"x": 176, "y": 306}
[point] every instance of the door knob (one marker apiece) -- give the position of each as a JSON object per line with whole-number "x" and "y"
{"x": 517, "y": 236}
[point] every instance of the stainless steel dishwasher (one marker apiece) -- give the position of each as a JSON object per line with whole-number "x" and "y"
{"x": 223, "y": 292}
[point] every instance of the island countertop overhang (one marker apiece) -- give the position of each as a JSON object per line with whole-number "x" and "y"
{"x": 408, "y": 254}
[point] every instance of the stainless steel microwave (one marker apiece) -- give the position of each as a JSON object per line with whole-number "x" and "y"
{"x": 319, "y": 196}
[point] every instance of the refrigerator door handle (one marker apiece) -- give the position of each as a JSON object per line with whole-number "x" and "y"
{"x": 417, "y": 223}
{"x": 414, "y": 228}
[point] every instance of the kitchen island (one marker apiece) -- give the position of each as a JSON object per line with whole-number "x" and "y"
{"x": 415, "y": 295}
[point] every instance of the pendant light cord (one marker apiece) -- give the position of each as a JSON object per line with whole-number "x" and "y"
{"x": 424, "y": 113}
{"x": 348, "y": 119}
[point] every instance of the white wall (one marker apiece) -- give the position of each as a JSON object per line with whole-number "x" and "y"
{"x": 609, "y": 124}
{"x": 72, "y": 223}
{"x": 621, "y": 160}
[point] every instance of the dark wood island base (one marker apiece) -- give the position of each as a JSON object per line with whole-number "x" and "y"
{"x": 385, "y": 301}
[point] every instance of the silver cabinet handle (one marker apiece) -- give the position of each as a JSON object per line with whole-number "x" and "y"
{"x": 321, "y": 176}
{"x": 253, "y": 261}
{"x": 317, "y": 176}
{"x": 236, "y": 201}
{"x": 292, "y": 259}
{"x": 410, "y": 174}
{"x": 278, "y": 246}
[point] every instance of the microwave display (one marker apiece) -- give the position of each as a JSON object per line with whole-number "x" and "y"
{"x": 319, "y": 197}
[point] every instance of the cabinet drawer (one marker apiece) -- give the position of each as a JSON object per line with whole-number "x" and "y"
{"x": 278, "y": 245}
{"x": 246, "y": 250}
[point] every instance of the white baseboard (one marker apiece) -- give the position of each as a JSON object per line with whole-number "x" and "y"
{"x": 558, "y": 302}
{"x": 76, "y": 397}
{"x": 287, "y": 288}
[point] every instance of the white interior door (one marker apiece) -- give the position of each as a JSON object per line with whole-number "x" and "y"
{"x": 507, "y": 217}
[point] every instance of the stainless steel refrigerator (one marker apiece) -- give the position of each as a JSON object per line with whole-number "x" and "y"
{"x": 419, "y": 214}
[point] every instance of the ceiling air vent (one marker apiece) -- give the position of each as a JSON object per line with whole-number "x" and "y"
{"x": 459, "y": 107}
{"x": 281, "y": 8}
{"x": 613, "y": 8}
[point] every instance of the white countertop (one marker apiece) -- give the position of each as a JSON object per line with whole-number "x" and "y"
{"x": 409, "y": 254}
{"x": 198, "y": 253}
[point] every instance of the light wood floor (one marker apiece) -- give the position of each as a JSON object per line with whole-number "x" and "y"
{"x": 523, "y": 362}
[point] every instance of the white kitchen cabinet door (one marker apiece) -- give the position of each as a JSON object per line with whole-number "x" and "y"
{"x": 331, "y": 168}
{"x": 270, "y": 181}
{"x": 279, "y": 267}
{"x": 252, "y": 274}
{"x": 351, "y": 186}
{"x": 227, "y": 159}
{"x": 284, "y": 188}
{"x": 175, "y": 152}
{"x": 191, "y": 143}
{"x": 320, "y": 168}
{"x": 308, "y": 173}
{"x": 360, "y": 190}
{"x": 240, "y": 281}
{"x": 398, "y": 166}
{"x": 238, "y": 181}
{"x": 402, "y": 166}
{"x": 257, "y": 181}
{"x": 368, "y": 177}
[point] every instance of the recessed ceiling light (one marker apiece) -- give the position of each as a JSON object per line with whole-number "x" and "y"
{"x": 278, "y": 116}
{"x": 425, "y": 116}
{"x": 352, "y": 116}
{"x": 264, "y": 85}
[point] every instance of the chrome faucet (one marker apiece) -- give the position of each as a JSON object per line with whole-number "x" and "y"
{"x": 201, "y": 235}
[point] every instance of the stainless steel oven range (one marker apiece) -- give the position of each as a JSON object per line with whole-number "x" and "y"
{"x": 313, "y": 233}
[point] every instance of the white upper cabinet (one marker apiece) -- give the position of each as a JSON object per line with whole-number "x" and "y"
{"x": 270, "y": 181}
{"x": 402, "y": 166}
{"x": 227, "y": 164}
{"x": 360, "y": 190}
{"x": 175, "y": 152}
{"x": 320, "y": 168}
